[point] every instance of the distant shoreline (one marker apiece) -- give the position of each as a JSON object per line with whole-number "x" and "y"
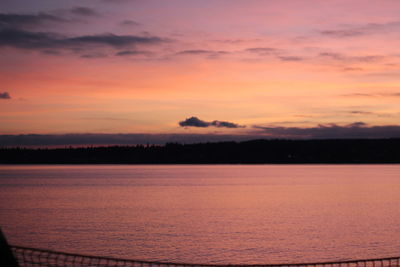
{"x": 328, "y": 151}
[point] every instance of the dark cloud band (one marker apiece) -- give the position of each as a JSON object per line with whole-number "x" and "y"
{"x": 5, "y": 95}
{"x": 28, "y": 20}
{"x": 42, "y": 40}
{"x": 34, "y": 21}
{"x": 196, "y": 122}
{"x": 84, "y": 11}
{"x": 354, "y": 130}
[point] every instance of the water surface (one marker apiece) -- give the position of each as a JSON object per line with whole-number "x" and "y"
{"x": 205, "y": 213}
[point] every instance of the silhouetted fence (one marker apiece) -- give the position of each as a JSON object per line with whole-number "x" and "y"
{"x": 31, "y": 257}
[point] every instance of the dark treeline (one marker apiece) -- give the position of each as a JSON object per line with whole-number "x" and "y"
{"x": 256, "y": 151}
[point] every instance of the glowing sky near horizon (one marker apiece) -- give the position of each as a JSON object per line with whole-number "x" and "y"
{"x": 121, "y": 66}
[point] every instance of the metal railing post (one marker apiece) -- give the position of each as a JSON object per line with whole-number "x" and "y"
{"x": 7, "y": 258}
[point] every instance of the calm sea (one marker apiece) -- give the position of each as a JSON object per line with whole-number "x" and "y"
{"x": 205, "y": 213}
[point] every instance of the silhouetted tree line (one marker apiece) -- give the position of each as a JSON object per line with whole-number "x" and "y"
{"x": 248, "y": 152}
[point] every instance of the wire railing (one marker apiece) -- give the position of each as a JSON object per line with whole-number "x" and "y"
{"x": 32, "y": 257}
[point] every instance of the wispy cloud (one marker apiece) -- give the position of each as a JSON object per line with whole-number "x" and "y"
{"x": 360, "y": 112}
{"x": 276, "y": 53}
{"x": 342, "y": 33}
{"x": 93, "y": 55}
{"x": 392, "y": 94}
{"x": 204, "y": 53}
{"x": 262, "y": 51}
{"x": 27, "y": 31}
{"x": 112, "y": 40}
{"x": 133, "y": 53}
{"x": 129, "y": 22}
{"x": 358, "y": 30}
{"x": 195, "y": 52}
{"x": 352, "y": 69}
{"x": 84, "y": 11}
{"x": 291, "y": 58}
{"x": 345, "y": 58}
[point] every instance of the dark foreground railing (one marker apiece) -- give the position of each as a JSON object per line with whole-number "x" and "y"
{"x": 32, "y": 257}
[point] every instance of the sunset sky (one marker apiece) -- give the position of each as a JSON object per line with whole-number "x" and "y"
{"x": 233, "y": 68}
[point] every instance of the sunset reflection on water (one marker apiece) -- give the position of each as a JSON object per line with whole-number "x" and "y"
{"x": 205, "y": 213}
